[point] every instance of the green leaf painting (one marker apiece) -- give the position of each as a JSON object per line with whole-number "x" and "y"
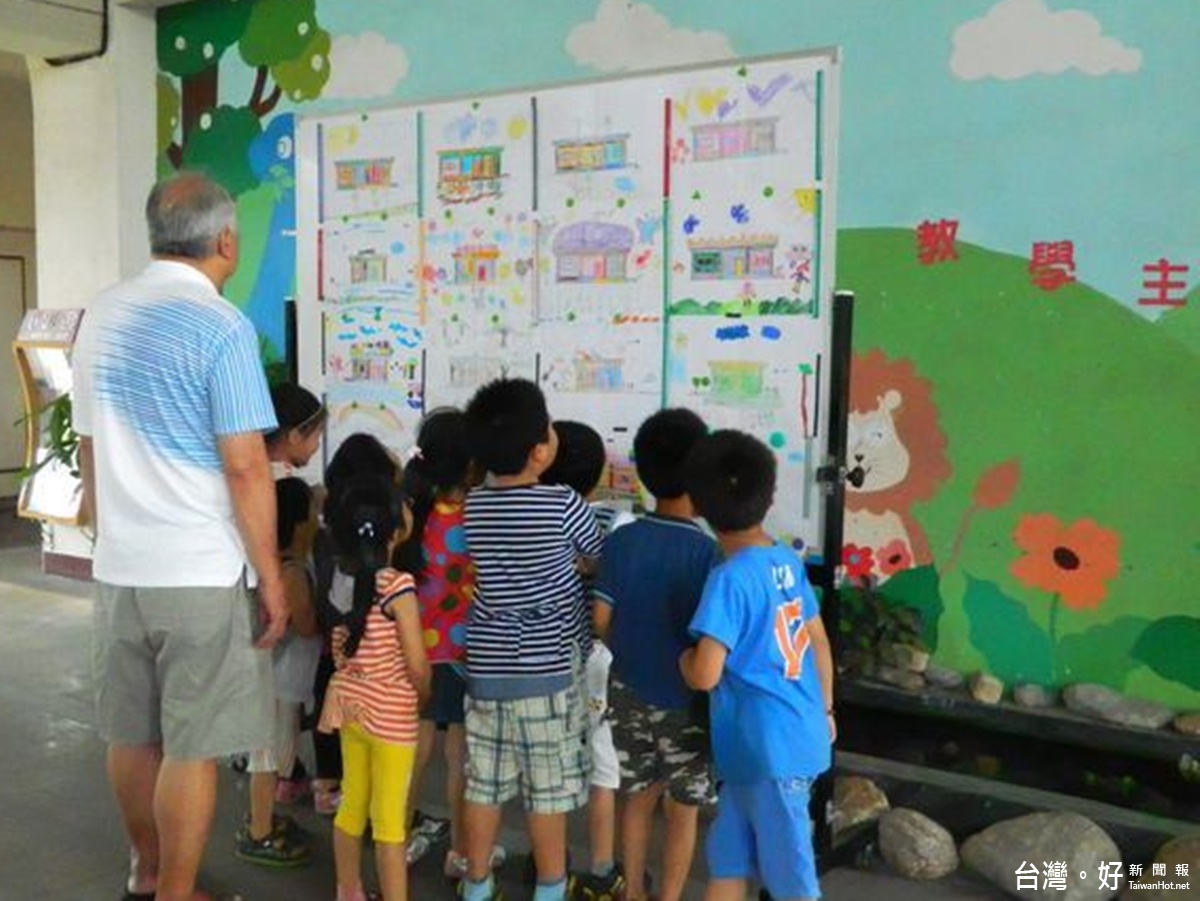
{"x": 918, "y": 588}
{"x": 1015, "y": 647}
{"x": 1171, "y": 647}
{"x": 1101, "y": 653}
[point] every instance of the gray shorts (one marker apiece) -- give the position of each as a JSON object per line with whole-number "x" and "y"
{"x": 177, "y": 667}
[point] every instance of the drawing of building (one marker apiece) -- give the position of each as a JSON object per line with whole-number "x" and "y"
{"x": 733, "y": 257}
{"x": 475, "y": 264}
{"x": 594, "y": 373}
{"x": 368, "y": 266}
{"x": 734, "y": 381}
{"x": 354, "y": 175}
{"x": 733, "y": 139}
{"x": 473, "y": 371}
{"x": 469, "y": 173}
{"x": 591, "y": 154}
{"x": 370, "y": 360}
{"x": 592, "y": 252}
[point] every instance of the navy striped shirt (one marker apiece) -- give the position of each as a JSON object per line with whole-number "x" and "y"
{"x": 527, "y": 626}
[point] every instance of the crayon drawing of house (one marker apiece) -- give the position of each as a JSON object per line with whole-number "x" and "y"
{"x": 370, "y": 361}
{"x": 356, "y": 175}
{"x": 473, "y": 371}
{"x": 591, "y": 154}
{"x": 469, "y": 173}
{"x": 733, "y": 139}
{"x": 734, "y": 257}
{"x": 735, "y": 381}
{"x": 368, "y": 266}
{"x": 475, "y": 264}
{"x": 592, "y": 252}
{"x": 594, "y": 373}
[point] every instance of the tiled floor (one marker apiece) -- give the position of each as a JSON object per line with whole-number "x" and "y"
{"x": 59, "y": 832}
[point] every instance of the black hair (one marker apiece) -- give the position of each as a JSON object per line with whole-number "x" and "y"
{"x": 506, "y": 419}
{"x": 661, "y": 447}
{"x": 293, "y": 505}
{"x": 580, "y": 459}
{"x": 363, "y": 519}
{"x": 441, "y": 462}
{"x": 730, "y": 477}
{"x": 295, "y": 408}
{"x": 360, "y": 455}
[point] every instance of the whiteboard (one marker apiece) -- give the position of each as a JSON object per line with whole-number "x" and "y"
{"x": 662, "y": 239}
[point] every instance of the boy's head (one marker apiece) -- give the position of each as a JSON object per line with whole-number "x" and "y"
{"x": 661, "y": 448}
{"x": 731, "y": 479}
{"x": 508, "y": 428}
{"x": 294, "y": 511}
{"x": 580, "y": 459}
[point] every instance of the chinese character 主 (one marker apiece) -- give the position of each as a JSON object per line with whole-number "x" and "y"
{"x": 1181, "y": 869}
{"x": 1052, "y": 264}
{"x": 1160, "y": 869}
{"x": 935, "y": 241}
{"x": 1135, "y": 870}
{"x": 1027, "y": 878}
{"x": 1164, "y": 286}
{"x": 1054, "y": 875}
{"x": 1110, "y": 871}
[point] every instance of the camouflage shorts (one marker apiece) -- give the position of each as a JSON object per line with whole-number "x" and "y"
{"x": 659, "y": 746}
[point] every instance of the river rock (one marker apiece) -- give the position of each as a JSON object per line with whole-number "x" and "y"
{"x": 901, "y": 678}
{"x": 943, "y": 676}
{"x": 986, "y": 689}
{"x": 915, "y": 846}
{"x": 1033, "y": 696}
{"x": 997, "y": 852}
{"x": 1187, "y": 723}
{"x": 1103, "y": 703}
{"x": 856, "y": 799}
{"x": 905, "y": 657}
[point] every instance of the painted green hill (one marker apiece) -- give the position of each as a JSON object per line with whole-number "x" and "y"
{"x": 1183, "y": 323}
{"x": 1099, "y": 405}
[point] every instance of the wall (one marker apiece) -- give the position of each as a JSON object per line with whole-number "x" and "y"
{"x": 1025, "y": 404}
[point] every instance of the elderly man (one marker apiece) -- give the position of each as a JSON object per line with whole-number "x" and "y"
{"x": 171, "y": 402}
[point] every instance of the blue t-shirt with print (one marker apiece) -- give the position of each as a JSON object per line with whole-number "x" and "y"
{"x": 767, "y": 712}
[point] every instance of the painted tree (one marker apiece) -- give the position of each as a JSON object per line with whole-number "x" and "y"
{"x": 280, "y": 39}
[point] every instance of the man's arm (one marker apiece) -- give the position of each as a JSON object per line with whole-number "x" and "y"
{"x": 248, "y": 475}
{"x": 87, "y": 474}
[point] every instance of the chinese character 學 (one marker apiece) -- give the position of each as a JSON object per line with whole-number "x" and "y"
{"x": 1135, "y": 870}
{"x": 1110, "y": 872}
{"x": 1160, "y": 869}
{"x": 1054, "y": 875}
{"x": 1052, "y": 264}
{"x": 935, "y": 241}
{"x": 1164, "y": 286}
{"x": 1181, "y": 869}
{"x": 1027, "y": 878}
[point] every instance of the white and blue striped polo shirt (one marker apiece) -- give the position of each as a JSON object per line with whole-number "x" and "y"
{"x": 527, "y": 624}
{"x": 163, "y": 367}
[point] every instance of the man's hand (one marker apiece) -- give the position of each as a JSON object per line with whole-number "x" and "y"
{"x": 273, "y": 613}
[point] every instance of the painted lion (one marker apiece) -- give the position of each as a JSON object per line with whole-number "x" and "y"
{"x": 896, "y": 454}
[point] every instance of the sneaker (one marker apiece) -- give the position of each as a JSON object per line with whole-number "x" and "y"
{"x": 435, "y": 829}
{"x": 279, "y": 849}
{"x": 418, "y": 847}
{"x": 496, "y": 894}
{"x": 589, "y": 887}
{"x": 326, "y": 801}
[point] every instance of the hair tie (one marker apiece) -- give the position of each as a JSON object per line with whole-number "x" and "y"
{"x": 413, "y": 453}
{"x": 366, "y": 530}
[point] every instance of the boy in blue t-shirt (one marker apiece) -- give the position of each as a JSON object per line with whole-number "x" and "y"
{"x": 763, "y": 653}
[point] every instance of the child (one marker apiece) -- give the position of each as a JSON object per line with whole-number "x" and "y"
{"x": 265, "y": 839}
{"x": 294, "y": 441}
{"x": 437, "y": 476}
{"x": 651, "y": 577}
{"x": 526, "y": 720}
{"x": 579, "y": 464}
{"x": 373, "y": 697}
{"x": 359, "y": 455}
{"x": 764, "y": 654}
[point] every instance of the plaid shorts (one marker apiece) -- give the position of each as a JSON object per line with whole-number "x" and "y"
{"x": 656, "y": 745}
{"x": 537, "y": 747}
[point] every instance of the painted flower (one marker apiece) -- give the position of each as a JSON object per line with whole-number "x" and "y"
{"x": 1075, "y": 562}
{"x": 894, "y": 557}
{"x": 859, "y": 561}
{"x": 996, "y": 487}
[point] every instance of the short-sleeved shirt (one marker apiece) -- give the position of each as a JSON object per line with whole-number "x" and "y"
{"x": 768, "y": 713}
{"x": 652, "y": 573}
{"x": 373, "y": 688}
{"x": 526, "y": 633}
{"x": 164, "y": 367}
{"x": 446, "y": 586}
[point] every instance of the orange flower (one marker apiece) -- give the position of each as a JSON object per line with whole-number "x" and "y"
{"x": 996, "y": 486}
{"x": 1075, "y": 562}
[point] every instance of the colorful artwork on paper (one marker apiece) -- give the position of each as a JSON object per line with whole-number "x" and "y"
{"x": 376, "y": 347}
{"x": 372, "y": 260}
{"x": 383, "y": 415}
{"x": 368, "y": 165}
{"x": 478, "y": 154}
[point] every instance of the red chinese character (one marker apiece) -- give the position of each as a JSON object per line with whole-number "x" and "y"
{"x": 935, "y": 241}
{"x": 1052, "y": 264}
{"x": 1164, "y": 285}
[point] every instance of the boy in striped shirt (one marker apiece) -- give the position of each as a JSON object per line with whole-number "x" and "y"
{"x": 526, "y": 719}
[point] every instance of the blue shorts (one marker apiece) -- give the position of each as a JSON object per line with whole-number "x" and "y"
{"x": 762, "y": 833}
{"x": 447, "y": 701}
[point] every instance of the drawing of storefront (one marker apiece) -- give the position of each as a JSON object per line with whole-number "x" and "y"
{"x": 734, "y": 257}
{"x": 591, "y": 154}
{"x": 592, "y": 252}
{"x": 733, "y": 139}
{"x": 368, "y": 266}
{"x": 475, "y": 264}
{"x": 369, "y": 361}
{"x": 593, "y": 373}
{"x": 354, "y": 175}
{"x": 469, "y": 173}
{"x": 736, "y": 381}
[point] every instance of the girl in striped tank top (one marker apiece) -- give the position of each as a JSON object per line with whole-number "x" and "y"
{"x": 382, "y": 674}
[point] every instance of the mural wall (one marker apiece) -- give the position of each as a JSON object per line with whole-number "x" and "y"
{"x": 1016, "y": 202}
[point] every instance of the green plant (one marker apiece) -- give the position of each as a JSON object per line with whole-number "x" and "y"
{"x": 870, "y": 621}
{"x": 58, "y": 437}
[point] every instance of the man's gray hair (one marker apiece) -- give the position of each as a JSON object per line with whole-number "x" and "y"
{"x": 186, "y": 214}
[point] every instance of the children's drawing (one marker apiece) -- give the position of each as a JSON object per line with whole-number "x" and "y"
{"x": 371, "y": 260}
{"x": 373, "y": 346}
{"x": 388, "y": 416}
{"x": 469, "y": 174}
{"x": 733, "y": 257}
{"x": 592, "y": 252}
{"x": 736, "y": 139}
{"x": 368, "y": 165}
{"x": 478, "y": 155}
{"x": 591, "y": 154}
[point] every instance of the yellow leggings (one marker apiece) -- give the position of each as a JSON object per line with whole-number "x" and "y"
{"x": 376, "y": 776}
